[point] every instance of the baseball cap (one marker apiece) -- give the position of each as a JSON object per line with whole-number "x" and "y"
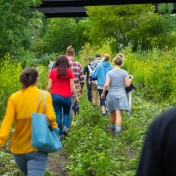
{"x": 97, "y": 55}
{"x": 91, "y": 58}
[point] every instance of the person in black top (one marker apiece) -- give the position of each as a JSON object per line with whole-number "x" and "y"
{"x": 159, "y": 151}
{"x": 88, "y": 82}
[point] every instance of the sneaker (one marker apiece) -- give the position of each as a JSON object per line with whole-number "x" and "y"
{"x": 109, "y": 129}
{"x": 112, "y": 130}
{"x": 65, "y": 132}
{"x": 104, "y": 113}
{"x": 117, "y": 134}
{"x": 61, "y": 137}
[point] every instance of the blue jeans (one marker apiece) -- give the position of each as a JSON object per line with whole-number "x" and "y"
{"x": 102, "y": 100}
{"x": 32, "y": 163}
{"x": 62, "y": 107}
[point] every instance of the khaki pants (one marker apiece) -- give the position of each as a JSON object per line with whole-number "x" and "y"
{"x": 95, "y": 95}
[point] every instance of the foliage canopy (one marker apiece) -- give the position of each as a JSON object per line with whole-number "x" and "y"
{"x": 128, "y": 25}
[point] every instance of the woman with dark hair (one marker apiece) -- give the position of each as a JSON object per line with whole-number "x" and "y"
{"x": 20, "y": 106}
{"x": 61, "y": 86}
{"x": 116, "y": 80}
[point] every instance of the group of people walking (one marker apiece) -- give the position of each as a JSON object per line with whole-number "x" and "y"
{"x": 64, "y": 80}
{"x": 108, "y": 84}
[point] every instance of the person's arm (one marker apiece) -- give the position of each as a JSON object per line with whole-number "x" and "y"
{"x": 7, "y": 122}
{"x": 72, "y": 86}
{"x": 105, "y": 88}
{"x": 50, "y": 83}
{"x": 127, "y": 81}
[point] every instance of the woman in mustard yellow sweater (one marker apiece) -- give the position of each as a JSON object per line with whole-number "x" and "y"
{"x": 20, "y": 106}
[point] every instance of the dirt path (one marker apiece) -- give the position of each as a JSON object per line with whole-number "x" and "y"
{"x": 57, "y": 163}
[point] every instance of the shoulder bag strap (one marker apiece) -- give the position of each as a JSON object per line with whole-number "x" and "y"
{"x": 49, "y": 124}
{"x": 89, "y": 68}
{"x": 39, "y": 98}
{"x": 44, "y": 102}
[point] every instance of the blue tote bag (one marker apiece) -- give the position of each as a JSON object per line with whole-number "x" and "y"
{"x": 44, "y": 138}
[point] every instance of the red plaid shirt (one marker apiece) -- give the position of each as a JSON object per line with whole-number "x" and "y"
{"x": 78, "y": 73}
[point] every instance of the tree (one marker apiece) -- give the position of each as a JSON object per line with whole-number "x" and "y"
{"x": 122, "y": 25}
{"x": 16, "y": 25}
{"x": 167, "y": 25}
{"x": 62, "y": 32}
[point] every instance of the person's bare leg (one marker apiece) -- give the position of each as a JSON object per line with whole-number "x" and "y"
{"x": 112, "y": 121}
{"x": 113, "y": 117}
{"x": 118, "y": 118}
{"x": 118, "y": 122}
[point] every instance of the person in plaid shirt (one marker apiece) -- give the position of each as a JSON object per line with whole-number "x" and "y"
{"x": 76, "y": 68}
{"x": 78, "y": 73}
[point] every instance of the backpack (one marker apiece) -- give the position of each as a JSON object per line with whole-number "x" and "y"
{"x": 90, "y": 74}
{"x": 92, "y": 80}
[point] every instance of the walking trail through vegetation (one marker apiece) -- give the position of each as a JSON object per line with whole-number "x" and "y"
{"x": 57, "y": 163}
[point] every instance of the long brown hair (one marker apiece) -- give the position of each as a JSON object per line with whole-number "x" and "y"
{"x": 62, "y": 66}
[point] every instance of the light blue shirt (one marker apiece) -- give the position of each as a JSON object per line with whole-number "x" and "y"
{"x": 117, "y": 82}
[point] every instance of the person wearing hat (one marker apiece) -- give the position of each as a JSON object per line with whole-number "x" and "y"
{"x": 96, "y": 62}
{"x": 87, "y": 71}
{"x": 95, "y": 95}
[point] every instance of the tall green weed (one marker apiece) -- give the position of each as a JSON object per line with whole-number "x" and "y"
{"x": 9, "y": 80}
{"x": 10, "y": 71}
{"x": 93, "y": 151}
{"x": 89, "y": 50}
{"x": 154, "y": 72}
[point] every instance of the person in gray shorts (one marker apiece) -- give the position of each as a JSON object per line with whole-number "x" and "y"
{"x": 116, "y": 80}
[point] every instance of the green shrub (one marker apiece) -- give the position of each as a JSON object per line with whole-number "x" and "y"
{"x": 9, "y": 81}
{"x": 154, "y": 72}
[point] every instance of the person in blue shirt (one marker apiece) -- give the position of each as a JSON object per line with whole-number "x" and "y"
{"x": 100, "y": 74}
